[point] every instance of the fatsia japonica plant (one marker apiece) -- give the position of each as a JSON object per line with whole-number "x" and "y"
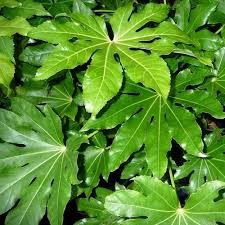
{"x": 112, "y": 112}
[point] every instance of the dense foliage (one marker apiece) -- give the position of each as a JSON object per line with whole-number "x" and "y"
{"x": 112, "y": 112}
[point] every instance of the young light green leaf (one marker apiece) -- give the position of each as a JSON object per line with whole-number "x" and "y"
{"x": 105, "y": 74}
{"x": 54, "y": 32}
{"x": 10, "y": 3}
{"x": 154, "y": 202}
{"x": 7, "y": 47}
{"x": 17, "y": 25}
{"x": 66, "y": 56}
{"x": 7, "y": 70}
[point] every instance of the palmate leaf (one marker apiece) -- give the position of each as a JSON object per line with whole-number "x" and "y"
{"x": 37, "y": 168}
{"x": 208, "y": 167}
{"x": 60, "y": 96}
{"x": 191, "y": 19}
{"x": 94, "y": 207}
{"x": 105, "y": 71}
{"x": 149, "y": 119}
{"x": 217, "y": 81}
{"x": 96, "y": 162}
{"x": 158, "y": 202}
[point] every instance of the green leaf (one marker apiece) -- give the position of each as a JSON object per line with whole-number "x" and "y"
{"x": 158, "y": 202}
{"x": 111, "y": 4}
{"x": 7, "y": 70}
{"x": 207, "y": 167}
{"x": 35, "y": 55}
{"x": 148, "y": 126}
{"x": 208, "y": 40}
{"x": 188, "y": 77}
{"x": 201, "y": 101}
{"x": 96, "y": 163}
{"x": 137, "y": 166}
{"x": 66, "y": 56}
{"x": 7, "y": 47}
{"x": 17, "y": 25}
{"x": 95, "y": 42}
{"x": 100, "y": 140}
{"x": 41, "y": 171}
{"x": 218, "y": 15}
{"x": 60, "y": 96}
{"x": 105, "y": 74}
{"x": 95, "y": 210}
{"x": 9, "y": 3}
{"x": 183, "y": 8}
{"x": 26, "y": 9}
{"x": 199, "y": 16}
{"x": 80, "y": 7}
{"x": 217, "y": 81}
{"x": 54, "y": 32}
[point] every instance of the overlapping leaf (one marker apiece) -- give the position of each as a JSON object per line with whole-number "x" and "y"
{"x": 17, "y": 25}
{"x": 150, "y": 120}
{"x": 217, "y": 81}
{"x": 96, "y": 163}
{"x": 208, "y": 167}
{"x": 94, "y": 207}
{"x": 104, "y": 71}
{"x": 36, "y": 166}
{"x": 60, "y": 96}
{"x": 153, "y": 202}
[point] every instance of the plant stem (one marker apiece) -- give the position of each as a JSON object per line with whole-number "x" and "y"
{"x": 164, "y": 1}
{"x": 92, "y": 134}
{"x": 219, "y": 30}
{"x": 171, "y": 178}
{"x": 104, "y": 11}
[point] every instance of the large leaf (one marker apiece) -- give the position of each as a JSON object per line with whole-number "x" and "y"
{"x": 149, "y": 119}
{"x": 154, "y": 202}
{"x": 156, "y": 123}
{"x": 207, "y": 167}
{"x": 36, "y": 166}
{"x": 105, "y": 71}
